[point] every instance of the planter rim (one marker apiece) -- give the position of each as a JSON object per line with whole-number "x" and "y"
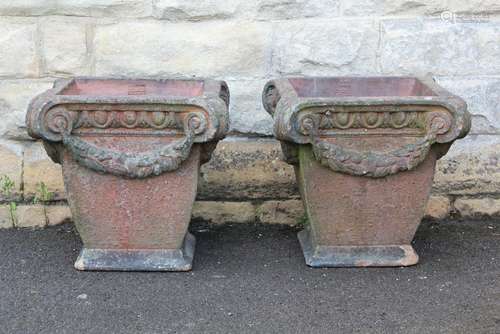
{"x": 288, "y": 104}
{"x": 214, "y": 101}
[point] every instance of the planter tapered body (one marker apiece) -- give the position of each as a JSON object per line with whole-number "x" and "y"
{"x": 130, "y": 151}
{"x": 364, "y": 152}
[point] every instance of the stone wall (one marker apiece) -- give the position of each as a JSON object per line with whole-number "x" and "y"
{"x": 246, "y": 43}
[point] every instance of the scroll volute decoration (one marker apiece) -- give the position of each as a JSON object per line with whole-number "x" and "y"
{"x": 270, "y": 98}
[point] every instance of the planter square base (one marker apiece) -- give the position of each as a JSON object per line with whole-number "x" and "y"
{"x": 355, "y": 256}
{"x": 138, "y": 259}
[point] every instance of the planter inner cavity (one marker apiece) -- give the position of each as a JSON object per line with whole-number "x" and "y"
{"x": 114, "y": 87}
{"x": 364, "y": 151}
{"x": 359, "y": 87}
{"x": 131, "y": 151}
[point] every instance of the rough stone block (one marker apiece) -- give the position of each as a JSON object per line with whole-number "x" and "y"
{"x": 65, "y": 46}
{"x": 11, "y": 166}
{"x": 438, "y": 207}
{"x": 286, "y": 9}
{"x": 224, "y": 212}
{"x": 99, "y": 8}
{"x": 463, "y": 8}
{"x": 209, "y": 49}
{"x": 242, "y": 169}
{"x": 200, "y": 10}
{"x": 18, "y": 48}
{"x": 289, "y": 212}
{"x": 471, "y": 167}
{"x": 252, "y": 169}
{"x": 5, "y": 217}
{"x": 419, "y": 7}
{"x": 247, "y": 115}
{"x": 106, "y": 8}
{"x": 31, "y": 216}
{"x": 39, "y": 168}
{"x": 57, "y": 214}
{"x": 482, "y": 95}
{"x": 26, "y": 7}
{"x": 325, "y": 47}
{"x": 478, "y": 207}
{"x": 394, "y": 7}
{"x": 15, "y": 96}
{"x": 421, "y": 46}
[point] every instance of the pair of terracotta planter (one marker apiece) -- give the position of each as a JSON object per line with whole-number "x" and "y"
{"x": 364, "y": 151}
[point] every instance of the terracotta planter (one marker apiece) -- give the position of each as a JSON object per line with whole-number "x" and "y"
{"x": 130, "y": 152}
{"x": 364, "y": 151}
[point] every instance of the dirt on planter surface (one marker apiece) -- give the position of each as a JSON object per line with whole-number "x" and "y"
{"x": 253, "y": 279}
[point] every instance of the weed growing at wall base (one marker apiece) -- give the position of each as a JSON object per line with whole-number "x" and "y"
{"x": 42, "y": 194}
{"x": 7, "y": 187}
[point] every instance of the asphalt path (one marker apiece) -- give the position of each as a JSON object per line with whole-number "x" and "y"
{"x": 253, "y": 279}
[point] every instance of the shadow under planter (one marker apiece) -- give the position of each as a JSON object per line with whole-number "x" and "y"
{"x": 364, "y": 152}
{"x": 130, "y": 150}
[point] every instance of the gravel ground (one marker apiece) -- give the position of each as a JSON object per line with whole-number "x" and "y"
{"x": 253, "y": 279}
